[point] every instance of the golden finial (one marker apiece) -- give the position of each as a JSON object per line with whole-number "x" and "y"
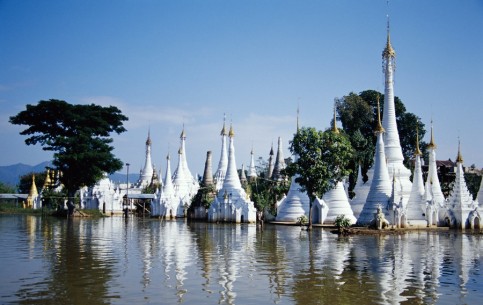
{"x": 388, "y": 50}
{"x": 231, "y": 133}
{"x": 418, "y": 151}
{"x": 47, "y": 181}
{"x": 379, "y": 128}
{"x": 431, "y": 141}
{"x": 334, "y": 128}
{"x": 223, "y": 130}
{"x": 148, "y": 141}
{"x": 459, "y": 157}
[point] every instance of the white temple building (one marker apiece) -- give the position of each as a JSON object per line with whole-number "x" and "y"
{"x": 232, "y": 203}
{"x": 462, "y": 209}
{"x": 252, "y": 170}
{"x": 147, "y": 172}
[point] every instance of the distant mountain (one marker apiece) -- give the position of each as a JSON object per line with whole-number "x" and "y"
{"x": 11, "y": 174}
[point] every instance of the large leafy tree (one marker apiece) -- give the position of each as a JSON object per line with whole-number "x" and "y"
{"x": 322, "y": 159}
{"x": 357, "y": 113}
{"x": 79, "y": 136}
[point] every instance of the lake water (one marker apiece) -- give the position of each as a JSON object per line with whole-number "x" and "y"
{"x": 148, "y": 261}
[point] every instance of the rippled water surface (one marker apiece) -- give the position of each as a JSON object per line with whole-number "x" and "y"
{"x": 148, "y": 261}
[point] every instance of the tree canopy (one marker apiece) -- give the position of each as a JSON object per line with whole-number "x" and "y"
{"x": 79, "y": 136}
{"x": 357, "y": 113}
{"x": 322, "y": 159}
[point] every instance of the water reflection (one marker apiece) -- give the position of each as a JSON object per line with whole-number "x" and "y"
{"x": 114, "y": 261}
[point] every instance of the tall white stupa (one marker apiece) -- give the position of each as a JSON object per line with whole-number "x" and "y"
{"x": 147, "y": 171}
{"x": 361, "y": 190}
{"x": 223, "y": 164}
{"x": 415, "y": 209}
{"x": 184, "y": 184}
{"x": 433, "y": 195}
{"x": 381, "y": 189}
{"x": 392, "y": 145}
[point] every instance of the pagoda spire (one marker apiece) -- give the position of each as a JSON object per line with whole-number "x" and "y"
{"x": 232, "y": 181}
{"x": 279, "y": 163}
{"x": 334, "y": 128}
{"x": 223, "y": 163}
{"x": 381, "y": 189}
{"x": 415, "y": 209}
{"x": 207, "y": 174}
{"x": 252, "y": 171}
{"x": 392, "y": 144}
{"x": 433, "y": 188}
{"x": 147, "y": 171}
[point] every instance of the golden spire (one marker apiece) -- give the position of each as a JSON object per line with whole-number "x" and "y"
{"x": 223, "y": 131}
{"x": 231, "y": 133}
{"x": 417, "y": 152}
{"x": 379, "y": 128}
{"x": 388, "y": 50}
{"x": 459, "y": 157}
{"x": 431, "y": 141}
{"x": 334, "y": 128}
{"x": 33, "y": 188}
{"x": 148, "y": 141}
{"x": 47, "y": 181}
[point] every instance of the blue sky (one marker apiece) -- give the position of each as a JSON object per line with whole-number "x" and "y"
{"x": 169, "y": 63}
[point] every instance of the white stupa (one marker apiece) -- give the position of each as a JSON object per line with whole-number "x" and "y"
{"x": 462, "y": 209}
{"x": 433, "y": 195}
{"x": 232, "y": 203}
{"x": 279, "y": 163}
{"x": 168, "y": 202}
{"x": 381, "y": 189}
{"x": 252, "y": 170}
{"x": 147, "y": 171}
{"x": 184, "y": 184}
{"x": 223, "y": 164}
{"x": 416, "y": 206}
{"x": 361, "y": 190}
{"x": 338, "y": 204}
{"x": 392, "y": 145}
{"x": 479, "y": 197}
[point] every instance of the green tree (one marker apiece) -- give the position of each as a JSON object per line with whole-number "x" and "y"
{"x": 357, "y": 113}
{"x": 25, "y": 182}
{"x": 6, "y": 189}
{"x": 322, "y": 160}
{"x": 79, "y": 137}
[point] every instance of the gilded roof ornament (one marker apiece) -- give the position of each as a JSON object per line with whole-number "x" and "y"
{"x": 379, "y": 128}
{"x": 231, "y": 133}
{"x": 459, "y": 157}
{"x": 334, "y": 128}
{"x": 223, "y": 131}
{"x": 431, "y": 144}
{"x": 388, "y": 50}
{"x": 33, "y": 188}
{"x": 417, "y": 152}
{"x": 148, "y": 140}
